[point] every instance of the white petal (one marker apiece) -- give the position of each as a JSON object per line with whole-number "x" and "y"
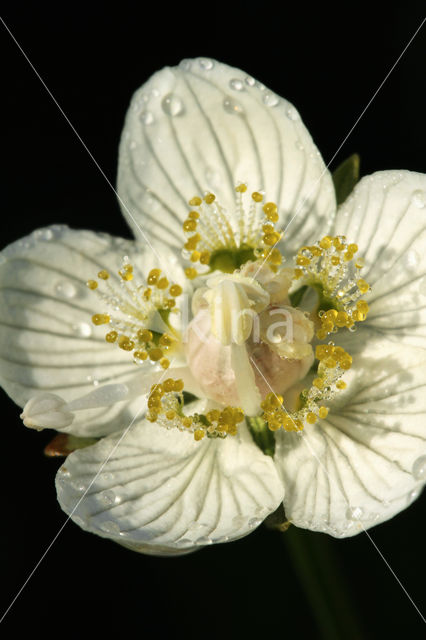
{"x": 386, "y": 217}
{"x": 355, "y": 469}
{"x": 47, "y": 340}
{"x": 201, "y": 126}
{"x": 164, "y": 489}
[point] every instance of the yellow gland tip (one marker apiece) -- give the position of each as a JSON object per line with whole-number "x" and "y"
{"x": 100, "y": 318}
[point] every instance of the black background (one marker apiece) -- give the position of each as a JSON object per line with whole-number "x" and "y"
{"x": 92, "y": 57}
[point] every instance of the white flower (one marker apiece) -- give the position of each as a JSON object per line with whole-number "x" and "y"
{"x": 350, "y": 452}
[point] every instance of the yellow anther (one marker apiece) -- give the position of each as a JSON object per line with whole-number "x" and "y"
{"x": 338, "y": 244}
{"x": 318, "y": 383}
{"x": 152, "y": 416}
{"x": 195, "y": 201}
{"x": 209, "y": 198}
{"x": 322, "y": 351}
{"x": 268, "y": 228}
{"x": 165, "y": 363}
{"x": 170, "y": 303}
{"x": 360, "y": 263}
{"x": 213, "y": 415}
{"x": 140, "y": 355}
{"x": 178, "y": 385}
{"x": 126, "y": 275}
{"x": 347, "y": 257}
{"x": 341, "y": 319}
{"x": 125, "y": 343}
{"x": 326, "y": 242}
{"x": 323, "y": 412}
{"x": 205, "y": 257}
{"x": 195, "y": 256}
{"x": 270, "y": 209}
{"x": 191, "y": 273}
{"x": 189, "y": 225}
{"x": 192, "y": 242}
{"x": 335, "y": 260}
{"x": 154, "y": 403}
{"x": 257, "y": 197}
{"x": 362, "y": 306}
{"x": 199, "y": 434}
{"x": 155, "y": 354}
{"x": 92, "y": 284}
{"x": 163, "y": 283}
{"x": 175, "y": 290}
{"x": 241, "y": 188}
{"x": 166, "y": 340}
{"x": 329, "y": 362}
{"x": 340, "y": 384}
{"x": 303, "y": 261}
{"x": 145, "y": 335}
{"x": 353, "y": 248}
{"x": 311, "y": 418}
{"x": 187, "y": 422}
{"x": 346, "y": 363}
{"x": 111, "y": 336}
{"x": 169, "y": 385}
{"x": 153, "y": 276}
{"x": 101, "y": 318}
{"x": 170, "y": 414}
{"x": 103, "y": 274}
{"x": 362, "y": 285}
{"x": 275, "y": 257}
{"x": 193, "y": 215}
{"x": 147, "y": 293}
{"x": 272, "y": 238}
{"x": 298, "y": 273}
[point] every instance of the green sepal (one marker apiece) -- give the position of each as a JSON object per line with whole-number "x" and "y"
{"x": 262, "y": 435}
{"x": 345, "y": 177}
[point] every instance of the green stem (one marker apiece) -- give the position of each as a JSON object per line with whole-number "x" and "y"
{"x": 262, "y": 435}
{"x": 315, "y": 565}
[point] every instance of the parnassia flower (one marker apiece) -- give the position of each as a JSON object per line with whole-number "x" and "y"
{"x": 253, "y": 346}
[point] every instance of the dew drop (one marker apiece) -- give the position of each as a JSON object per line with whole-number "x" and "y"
{"x": 65, "y": 289}
{"x": 354, "y": 513}
{"x": 236, "y": 84}
{"x": 270, "y": 99}
{"x": 299, "y": 145}
{"x": 43, "y": 234}
{"x": 203, "y": 541}
{"x": 172, "y": 105}
{"x": 107, "y": 476}
{"x": 231, "y": 106}
{"x": 93, "y": 380}
{"x": 110, "y": 527}
{"x": 108, "y": 497}
{"x": 64, "y": 472}
{"x": 185, "y": 65}
{"x": 146, "y": 117}
{"x": 206, "y": 64}
{"x": 184, "y": 542}
{"x": 260, "y": 86}
{"x": 419, "y": 199}
{"x": 419, "y": 468}
{"x": 250, "y": 81}
{"x": 254, "y": 522}
{"x": 82, "y": 330}
{"x": 292, "y": 114}
{"x": 411, "y": 260}
{"x": 413, "y": 495}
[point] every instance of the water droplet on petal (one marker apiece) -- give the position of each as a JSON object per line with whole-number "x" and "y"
{"x": 206, "y": 64}
{"x": 413, "y": 495}
{"x": 185, "y": 65}
{"x": 254, "y": 522}
{"x": 411, "y": 261}
{"x": 63, "y": 471}
{"x": 231, "y": 106}
{"x": 419, "y": 468}
{"x": 299, "y": 145}
{"x": 110, "y": 527}
{"x": 292, "y": 114}
{"x": 260, "y": 86}
{"x": 236, "y": 84}
{"x": 203, "y": 541}
{"x": 419, "y": 199}
{"x": 108, "y": 497}
{"x": 43, "y": 234}
{"x": 146, "y": 117}
{"x": 65, "y": 289}
{"x": 172, "y": 105}
{"x": 354, "y": 513}
{"x": 270, "y": 99}
{"x": 184, "y": 542}
{"x": 250, "y": 81}
{"x": 82, "y": 330}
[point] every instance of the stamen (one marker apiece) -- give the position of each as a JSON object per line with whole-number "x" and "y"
{"x": 134, "y": 308}
{"x": 329, "y": 267}
{"x": 165, "y": 405}
{"x": 213, "y": 241}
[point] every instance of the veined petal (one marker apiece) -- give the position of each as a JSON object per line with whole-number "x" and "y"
{"x": 47, "y": 340}
{"x": 360, "y": 466}
{"x": 205, "y": 125}
{"x": 161, "y": 488}
{"x": 386, "y": 217}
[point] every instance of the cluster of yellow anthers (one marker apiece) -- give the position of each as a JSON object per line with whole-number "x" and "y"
{"x": 134, "y": 305}
{"x": 209, "y": 231}
{"x": 165, "y": 407}
{"x": 330, "y": 266}
{"x": 333, "y": 362}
